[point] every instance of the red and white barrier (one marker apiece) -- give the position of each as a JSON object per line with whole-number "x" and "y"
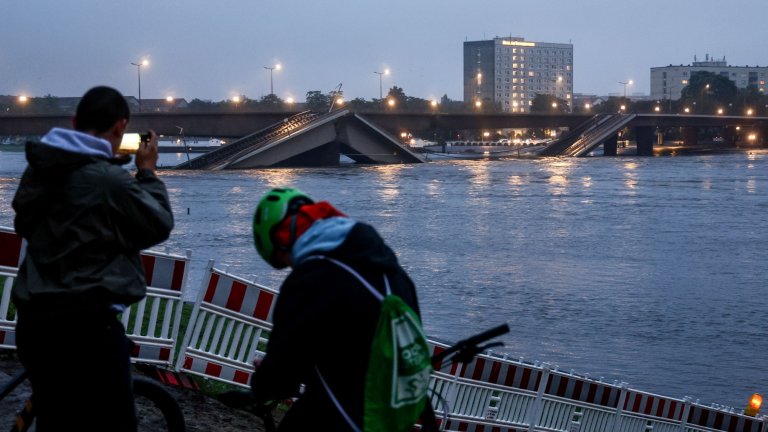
{"x": 227, "y": 328}
{"x": 153, "y": 323}
{"x": 12, "y": 249}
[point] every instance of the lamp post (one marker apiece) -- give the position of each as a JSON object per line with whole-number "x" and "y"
{"x": 624, "y": 83}
{"x": 23, "y": 101}
{"x": 559, "y": 89}
{"x": 271, "y": 83}
{"x": 381, "y": 74}
{"x": 138, "y": 70}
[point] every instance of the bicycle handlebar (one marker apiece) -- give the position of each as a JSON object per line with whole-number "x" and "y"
{"x": 469, "y": 347}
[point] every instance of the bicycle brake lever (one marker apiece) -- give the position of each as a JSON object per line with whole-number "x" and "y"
{"x": 466, "y": 355}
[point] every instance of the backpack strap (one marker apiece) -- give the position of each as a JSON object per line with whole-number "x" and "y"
{"x": 359, "y": 277}
{"x": 379, "y": 297}
{"x": 337, "y": 403}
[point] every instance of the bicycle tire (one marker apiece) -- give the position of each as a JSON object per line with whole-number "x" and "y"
{"x": 162, "y": 400}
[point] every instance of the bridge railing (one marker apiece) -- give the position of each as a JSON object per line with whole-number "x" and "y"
{"x": 248, "y": 142}
{"x": 572, "y": 136}
{"x": 599, "y": 133}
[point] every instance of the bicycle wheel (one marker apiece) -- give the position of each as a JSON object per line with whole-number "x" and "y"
{"x": 156, "y": 409}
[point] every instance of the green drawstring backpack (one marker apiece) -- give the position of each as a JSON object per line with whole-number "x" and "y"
{"x": 399, "y": 367}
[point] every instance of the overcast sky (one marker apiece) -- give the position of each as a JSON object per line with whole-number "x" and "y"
{"x": 217, "y": 49}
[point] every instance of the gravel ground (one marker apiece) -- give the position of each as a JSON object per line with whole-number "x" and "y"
{"x": 202, "y": 413}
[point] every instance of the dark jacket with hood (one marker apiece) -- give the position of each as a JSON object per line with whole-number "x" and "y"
{"x": 325, "y": 318}
{"x": 85, "y": 219}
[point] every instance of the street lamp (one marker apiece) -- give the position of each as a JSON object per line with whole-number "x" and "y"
{"x": 381, "y": 74}
{"x": 625, "y": 83}
{"x": 23, "y": 101}
{"x": 144, "y": 62}
{"x": 271, "y": 83}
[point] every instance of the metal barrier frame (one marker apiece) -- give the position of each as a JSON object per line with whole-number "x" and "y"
{"x": 153, "y": 323}
{"x": 228, "y": 328}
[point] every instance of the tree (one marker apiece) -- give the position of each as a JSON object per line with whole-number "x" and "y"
{"x": 397, "y": 95}
{"x": 547, "y": 103}
{"x": 708, "y": 92}
{"x": 317, "y": 101}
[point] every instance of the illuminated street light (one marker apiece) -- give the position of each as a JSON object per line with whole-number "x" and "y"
{"x": 749, "y": 112}
{"x": 381, "y": 74}
{"x": 23, "y": 101}
{"x": 587, "y": 106}
{"x": 623, "y": 107}
{"x": 625, "y": 83}
{"x": 657, "y": 109}
{"x": 719, "y": 111}
{"x": 169, "y": 99}
{"x": 391, "y": 102}
{"x": 144, "y": 62}
{"x": 271, "y": 83}
{"x": 687, "y": 110}
{"x": 339, "y": 101}
{"x": 289, "y": 101}
{"x": 478, "y": 104}
{"x": 433, "y": 103}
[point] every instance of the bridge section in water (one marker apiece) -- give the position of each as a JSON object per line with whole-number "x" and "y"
{"x": 308, "y": 139}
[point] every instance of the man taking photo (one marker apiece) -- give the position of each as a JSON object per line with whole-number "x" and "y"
{"x": 85, "y": 219}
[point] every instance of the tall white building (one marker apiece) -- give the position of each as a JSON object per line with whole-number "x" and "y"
{"x": 511, "y": 71}
{"x": 667, "y": 82}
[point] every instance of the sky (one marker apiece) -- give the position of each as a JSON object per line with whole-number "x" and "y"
{"x": 214, "y": 50}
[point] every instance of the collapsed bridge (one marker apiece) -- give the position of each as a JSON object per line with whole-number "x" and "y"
{"x": 309, "y": 139}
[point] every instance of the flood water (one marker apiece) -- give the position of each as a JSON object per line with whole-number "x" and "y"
{"x": 650, "y": 271}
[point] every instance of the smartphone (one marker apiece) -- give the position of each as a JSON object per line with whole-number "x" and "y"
{"x": 131, "y": 141}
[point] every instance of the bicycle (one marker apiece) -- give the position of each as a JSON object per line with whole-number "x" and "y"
{"x": 462, "y": 351}
{"x": 160, "y": 411}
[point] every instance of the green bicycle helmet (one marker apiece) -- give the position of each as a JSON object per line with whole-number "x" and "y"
{"x": 273, "y": 208}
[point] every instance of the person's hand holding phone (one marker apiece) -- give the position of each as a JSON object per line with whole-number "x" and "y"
{"x": 147, "y": 154}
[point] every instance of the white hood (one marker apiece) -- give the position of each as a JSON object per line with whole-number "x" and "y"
{"x": 77, "y": 142}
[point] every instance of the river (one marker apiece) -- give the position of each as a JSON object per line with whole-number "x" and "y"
{"x": 649, "y": 271}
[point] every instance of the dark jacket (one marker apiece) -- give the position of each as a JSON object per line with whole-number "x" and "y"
{"x": 325, "y": 318}
{"x": 85, "y": 219}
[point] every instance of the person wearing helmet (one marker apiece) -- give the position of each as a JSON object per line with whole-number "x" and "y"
{"x": 324, "y": 319}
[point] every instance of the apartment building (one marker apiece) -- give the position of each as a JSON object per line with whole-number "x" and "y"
{"x": 512, "y": 71}
{"x": 667, "y": 82}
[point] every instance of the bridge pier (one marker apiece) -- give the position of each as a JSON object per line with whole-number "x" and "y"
{"x": 690, "y": 135}
{"x": 610, "y": 146}
{"x": 729, "y": 136}
{"x": 644, "y": 139}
